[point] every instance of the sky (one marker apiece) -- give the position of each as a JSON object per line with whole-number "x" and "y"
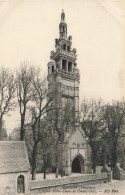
{"x": 28, "y": 29}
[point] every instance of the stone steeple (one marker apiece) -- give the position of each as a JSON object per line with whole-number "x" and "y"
{"x": 63, "y": 26}
{"x": 63, "y": 67}
{"x": 62, "y": 70}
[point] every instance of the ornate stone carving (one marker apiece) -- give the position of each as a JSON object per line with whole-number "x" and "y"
{"x": 78, "y": 145}
{"x": 51, "y": 54}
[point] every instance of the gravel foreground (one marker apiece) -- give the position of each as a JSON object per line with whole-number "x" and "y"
{"x": 116, "y": 187}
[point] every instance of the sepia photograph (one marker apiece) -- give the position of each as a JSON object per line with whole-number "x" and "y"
{"x": 62, "y": 97}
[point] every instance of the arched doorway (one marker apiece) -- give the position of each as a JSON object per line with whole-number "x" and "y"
{"x": 78, "y": 164}
{"x": 20, "y": 184}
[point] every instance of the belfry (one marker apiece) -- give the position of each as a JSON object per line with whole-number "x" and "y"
{"x": 63, "y": 65}
{"x": 62, "y": 68}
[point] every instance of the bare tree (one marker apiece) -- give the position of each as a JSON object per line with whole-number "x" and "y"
{"x": 38, "y": 110}
{"x": 114, "y": 117}
{"x": 7, "y": 95}
{"x": 46, "y": 144}
{"x": 61, "y": 118}
{"x": 93, "y": 126}
{"x": 24, "y": 92}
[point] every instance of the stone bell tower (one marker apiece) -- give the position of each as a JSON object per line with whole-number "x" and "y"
{"x": 62, "y": 66}
{"x": 62, "y": 69}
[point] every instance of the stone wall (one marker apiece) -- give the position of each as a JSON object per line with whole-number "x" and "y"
{"x": 59, "y": 185}
{"x": 118, "y": 172}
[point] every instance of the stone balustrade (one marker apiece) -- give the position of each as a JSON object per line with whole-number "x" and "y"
{"x": 70, "y": 54}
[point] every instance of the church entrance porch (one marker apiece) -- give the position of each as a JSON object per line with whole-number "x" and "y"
{"x": 78, "y": 165}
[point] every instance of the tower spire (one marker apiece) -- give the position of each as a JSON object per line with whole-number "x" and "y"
{"x": 63, "y": 26}
{"x": 62, "y": 16}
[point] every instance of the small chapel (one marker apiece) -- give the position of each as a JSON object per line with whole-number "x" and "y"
{"x": 62, "y": 68}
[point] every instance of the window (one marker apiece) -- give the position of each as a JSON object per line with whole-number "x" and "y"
{"x": 68, "y": 48}
{"x": 64, "y": 64}
{"x": 70, "y": 66}
{"x": 52, "y": 69}
{"x": 64, "y": 47}
{"x": 20, "y": 184}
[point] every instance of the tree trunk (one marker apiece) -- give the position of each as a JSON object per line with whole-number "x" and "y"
{"x": 22, "y": 127}
{"x": 0, "y": 128}
{"x": 94, "y": 169}
{"x": 44, "y": 167}
{"x": 33, "y": 173}
{"x": 123, "y": 152}
{"x": 61, "y": 165}
{"x": 44, "y": 177}
{"x": 57, "y": 169}
{"x": 114, "y": 156}
{"x": 61, "y": 161}
{"x": 94, "y": 153}
{"x": 34, "y": 162}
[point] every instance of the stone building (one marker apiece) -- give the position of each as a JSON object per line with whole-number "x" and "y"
{"x": 14, "y": 168}
{"x": 62, "y": 68}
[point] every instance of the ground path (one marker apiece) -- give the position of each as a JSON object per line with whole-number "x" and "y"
{"x": 114, "y": 187}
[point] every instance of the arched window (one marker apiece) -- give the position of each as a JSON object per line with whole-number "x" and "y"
{"x": 52, "y": 69}
{"x": 20, "y": 184}
{"x": 64, "y": 47}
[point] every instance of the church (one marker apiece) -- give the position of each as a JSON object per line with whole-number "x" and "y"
{"x": 62, "y": 68}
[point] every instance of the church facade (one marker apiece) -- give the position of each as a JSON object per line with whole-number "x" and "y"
{"x": 62, "y": 68}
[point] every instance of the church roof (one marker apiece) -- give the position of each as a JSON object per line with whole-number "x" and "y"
{"x": 68, "y": 136}
{"x": 13, "y": 157}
